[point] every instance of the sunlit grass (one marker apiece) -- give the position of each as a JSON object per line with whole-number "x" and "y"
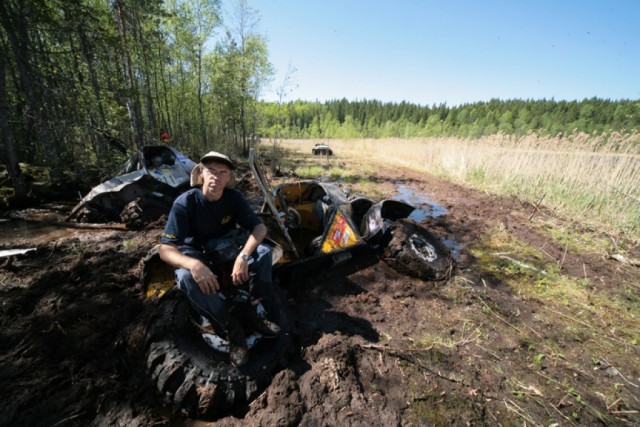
{"x": 532, "y": 275}
{"x": 309, "y": 172}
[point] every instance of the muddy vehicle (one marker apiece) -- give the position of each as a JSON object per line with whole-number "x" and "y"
{"x": 317, "y": 225}
{"x": 322, "y": 149}
{"x": 311, "y": 225}
{"x": 141, "y": 192}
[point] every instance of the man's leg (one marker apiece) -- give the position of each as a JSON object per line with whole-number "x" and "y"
{"x": 260, "y": 264}
{"x": 213, "y": 307}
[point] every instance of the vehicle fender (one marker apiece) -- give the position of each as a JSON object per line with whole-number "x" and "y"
{"x": 380, "y": 216}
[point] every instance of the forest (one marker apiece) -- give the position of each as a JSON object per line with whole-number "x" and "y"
{"x": 83, "y": 83}
{"x": 375, "y": 119}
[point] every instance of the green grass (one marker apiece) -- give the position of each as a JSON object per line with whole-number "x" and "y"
{"x": 532, "y": 275}
{"x": 309, "y": 172}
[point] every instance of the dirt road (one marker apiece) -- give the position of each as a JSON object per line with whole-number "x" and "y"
{"x": 373, "y": 347}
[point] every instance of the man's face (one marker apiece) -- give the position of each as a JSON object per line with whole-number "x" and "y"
{"x": 215, "y": 177}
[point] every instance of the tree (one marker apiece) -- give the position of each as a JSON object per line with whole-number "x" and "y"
{"x": 10, "y": 157}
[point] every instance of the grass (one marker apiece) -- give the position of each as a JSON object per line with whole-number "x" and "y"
{"x": 532, "y": 275}
{"x": 356, "y": 175}
{"x": 595, "y": 182}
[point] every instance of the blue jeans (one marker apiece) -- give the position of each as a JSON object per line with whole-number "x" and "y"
{"x": 216, "y": 306}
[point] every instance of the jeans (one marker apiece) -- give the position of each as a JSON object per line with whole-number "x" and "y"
{"x": 216, "y": 306}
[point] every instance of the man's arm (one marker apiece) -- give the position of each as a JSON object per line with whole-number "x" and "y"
{"x": 204, "y": 277}
{"x": 240, "y": 272}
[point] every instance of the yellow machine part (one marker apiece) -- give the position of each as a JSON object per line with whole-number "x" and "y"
{"x": 341, "y": 235}
{"x": 157, "y": 276}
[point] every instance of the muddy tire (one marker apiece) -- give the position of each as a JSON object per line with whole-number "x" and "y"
{"x": 143, "y": 210}
{"x": 199, "y": 380}
{"x": 90, "y": 214}
{"x": 416, "y": 252}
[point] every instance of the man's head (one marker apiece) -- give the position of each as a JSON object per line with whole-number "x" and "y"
{"x": 214, "y": 173}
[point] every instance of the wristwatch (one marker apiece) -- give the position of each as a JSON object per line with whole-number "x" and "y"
{"x": 244, "y": 256}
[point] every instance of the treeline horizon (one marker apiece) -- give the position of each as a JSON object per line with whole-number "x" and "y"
{"x": 346, "y": 119}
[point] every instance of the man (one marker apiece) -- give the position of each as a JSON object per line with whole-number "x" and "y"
{"x": 199, "y": 217}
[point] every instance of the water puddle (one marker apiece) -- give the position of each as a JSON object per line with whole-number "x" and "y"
{"x": 12, "y": 252}
{"x": 425, "y": 208}
{"x": 31, "y": 227}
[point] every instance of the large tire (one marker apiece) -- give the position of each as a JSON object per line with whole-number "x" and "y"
{"x": 199, "y": 380}
{"x": 143, "y": 210}
{"x": 416, "y": 252}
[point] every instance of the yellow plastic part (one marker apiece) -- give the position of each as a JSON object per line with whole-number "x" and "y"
{"x": 341, "y": 235}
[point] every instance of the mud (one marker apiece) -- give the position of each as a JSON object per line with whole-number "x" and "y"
{"x": 74, "y": 314}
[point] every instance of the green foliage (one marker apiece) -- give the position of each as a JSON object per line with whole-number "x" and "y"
{"x": 107, "y": 77}
{"x": 343, "y": 119}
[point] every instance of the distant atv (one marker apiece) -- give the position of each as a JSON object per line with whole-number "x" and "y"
{"x": 321, "y": 149}
{"x": 311, "y": 225}
{"x": 141, "y": 192}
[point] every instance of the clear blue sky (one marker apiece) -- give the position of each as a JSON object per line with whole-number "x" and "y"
{"x": 452, "y": 51}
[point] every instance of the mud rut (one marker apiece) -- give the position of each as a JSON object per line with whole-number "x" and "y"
{"x": 73, "y": 322}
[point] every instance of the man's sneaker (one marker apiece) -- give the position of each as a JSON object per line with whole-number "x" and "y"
{"x": 259, "y": 322}
{"x": 238, "y": 352}
{"x": 266, "y": 327}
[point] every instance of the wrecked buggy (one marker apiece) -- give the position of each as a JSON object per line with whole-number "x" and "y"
{"x": 141, "y": 192}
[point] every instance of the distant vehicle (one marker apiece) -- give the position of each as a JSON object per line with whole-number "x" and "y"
{"x": 322, "y": 149}
{"x": 142, "y": 191}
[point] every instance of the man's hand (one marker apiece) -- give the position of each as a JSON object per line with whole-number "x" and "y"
{"x": 240, "y": 272}
{"x": 204, "y": 277}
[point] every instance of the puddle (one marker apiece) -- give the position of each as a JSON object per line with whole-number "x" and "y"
{"x": 425, "y": 207}
{"x": 12, "y": 252}
{"x": 38, "y": 226}
{"x": 454, "y": 248}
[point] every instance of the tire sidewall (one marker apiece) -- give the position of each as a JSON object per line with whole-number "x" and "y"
{"x": 401, "y": 254}
{"x": 196, "y": 378}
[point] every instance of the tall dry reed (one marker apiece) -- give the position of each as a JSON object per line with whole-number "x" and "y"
{"x": 594, "y": 180}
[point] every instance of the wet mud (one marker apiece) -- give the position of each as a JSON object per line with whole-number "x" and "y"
{"x": 372, "y": 347}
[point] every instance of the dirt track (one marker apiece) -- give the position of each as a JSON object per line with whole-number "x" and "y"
{"x": 373, "y": 347}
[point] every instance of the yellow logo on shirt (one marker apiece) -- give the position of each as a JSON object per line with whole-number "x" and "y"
{"x": 226, "y": 219}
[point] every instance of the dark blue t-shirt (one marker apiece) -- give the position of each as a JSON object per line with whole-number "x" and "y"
{"x": 193, "y": 219}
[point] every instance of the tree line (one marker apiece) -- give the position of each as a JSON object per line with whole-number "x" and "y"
{"x": 375, "y": 119}
{"x": 84, "y": 82}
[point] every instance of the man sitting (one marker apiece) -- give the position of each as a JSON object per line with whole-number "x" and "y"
{"x": 201, "y": 215}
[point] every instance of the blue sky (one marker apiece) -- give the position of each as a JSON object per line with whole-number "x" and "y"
{"x": 452, "y": 51}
